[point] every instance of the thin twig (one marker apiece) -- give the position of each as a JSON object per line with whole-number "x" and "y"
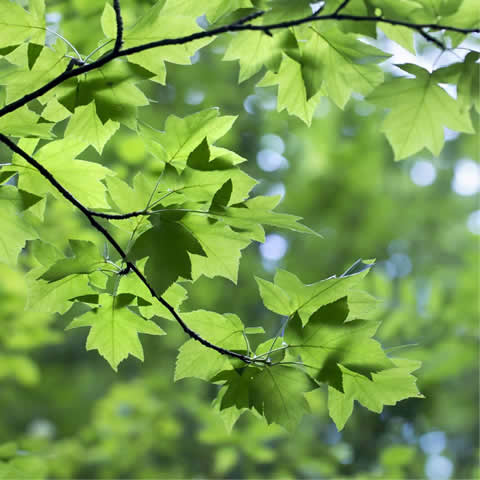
{"x": 129, "y": 266}
{"x": 431, "y": 38}
{"x": 341, "y": 6}
{"x": 234, "y": 27}
{"x": 119, "y": 20}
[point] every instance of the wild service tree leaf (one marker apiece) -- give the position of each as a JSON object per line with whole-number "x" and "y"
{"x": 221, "y": 245}
{"x": 204, "y": 175}
{"x": 24, "y": 123}
{"x": 24, "y": 78}
{"x": 276, "y": 392}
{"x": 86, "y": 259}
{"x": 53, "y": 297}
{"x": 384, "y": 388}
{"x": 113, "y": 89}
{"x": 257, "y": 211}
{"x": 466, "y": 76}
{"x": 183, "y": 135}
{"x": 467, "y": 15}
{"x": 196, "y": 360}
{"x": 420, "y": 110}
{"x": 341, "y": 64}
{"x": 288, "y": 294}
{"x": 213, "y": 9}
{"x": 148, "y": 306}
{"x": 84, "y": 125}
{"x": 15, "y": 229}
{"x": 404, "y": 36}
{"x": 115, "y": 328}
{"x": 254, "y": 50}
{"x": 328, "y": 341}
{"x": 168, "y": 246}
{"x": 17, "y": 25}
{"x": 292, "y": 94}
{"x": 163, "y": 20}
{"x": 81, "y": 178}
{"x": 54, "y": 111}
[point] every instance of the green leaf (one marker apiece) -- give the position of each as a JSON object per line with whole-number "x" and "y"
{"x": 183, "y": 135}
{"x": 418, "y": 105}
{"x": 115, "y": 328}
{"x": 328, "y": 340}
{"x": 221, "y": 248}
{"x": 385, "y": 388}
{"x": 164, "y": 20}
{"x": 50, "y": 63}
{"x": 292, "y": 94}
{"x": 196, "y": 360}
{"x": 168, "y": 246}
{"x": 54, "y": 111}
{"x": 466, "y": 76}
{"x": 15, "y": 228}
{"x": 344, "y": 63}
{"x": 254, "y": 50}
{"x": 466, "y": 16}
{"x": 86, "y": 260}
{"x": 85, "y": 126}
{"x": 113, "y": 89}
{"x": 275, "y": 392}
{"x": 404, "y": 36}
{"x": 24, "y": 123}
{"x": 257, "y": 211}
{"x": 17, "y": 25}
{"x": 51, "y": 297}
{"x": 82, "y": 179}
{"x": 306, "y": 299}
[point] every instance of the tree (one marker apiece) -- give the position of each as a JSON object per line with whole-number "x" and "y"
{"x": 189, "y": 212}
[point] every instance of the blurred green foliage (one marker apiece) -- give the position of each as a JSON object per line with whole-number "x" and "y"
{"x": 66, "y": 414}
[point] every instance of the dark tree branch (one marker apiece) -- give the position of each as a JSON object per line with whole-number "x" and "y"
{"x": 234, "y": 27}
{"x": 431, "y": 38}
{"x": 341, "y": 6}
{"x": 120, "y": 216}
{"x": 119, "y": 19}
{"x": 129, "y": 266}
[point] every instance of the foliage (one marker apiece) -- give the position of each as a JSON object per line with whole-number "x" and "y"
{"x": 183, "y": 211}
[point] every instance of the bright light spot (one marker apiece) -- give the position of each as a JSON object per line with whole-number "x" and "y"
{"x": 364, "y": 109}
{"x": 397, "y": 245}
{"x": 398, "y": 265}
{"x": 473, "y": 222}
{"x": 269, "y": 102}
{"x": 273, "y": 142}
{"x": 202, "y": 22}
{"x": 316, "y": 5}
{"x": 323, "y": 108}
{"x": 41, "y": 427}
{"x": 438, "y": 467}
{"x": 450, "y": 89}
{"x": 195, "y": 57}
{"x": 269, "y": 160}
{"x": 276, "y": 189}
{"x": 274, "y": 248}
{"x": 53, "y": 17}
{"x": 251, "y": 104}
{"x": 433, "y": 443}
{"x": 450, "y": 134}
{"x": 219, "y": 50}
{"x": 194, "y": 97}
{"x": 423, "y": 173}
{"x": 408, "y": 432}
{"x": 467, "y": 178}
